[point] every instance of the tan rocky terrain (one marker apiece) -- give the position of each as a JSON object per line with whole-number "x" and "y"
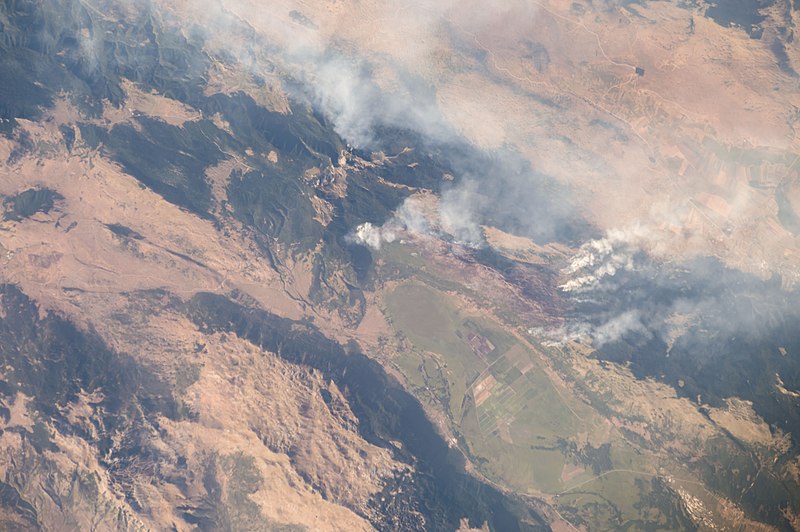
{"x": 349, "y": 265}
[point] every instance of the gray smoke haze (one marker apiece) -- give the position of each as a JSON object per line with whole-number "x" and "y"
{"x": 344, "y": 89}
{"x": 364, "y": 96}
{"x": 333, "y": 76}
{"x": 710, "y": 331}
{"x": 501, "y": 188}
{"x": 621, "y": 291}
{"x": 498, "y": 187}
{"x": 669, "y": 320}
{"x": 623, "y": 294}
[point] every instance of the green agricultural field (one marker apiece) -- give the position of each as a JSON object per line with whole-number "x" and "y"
{"x": 431, "y": 323}
{"x": 625, "y": 500}
{"x": 523, "y": 422}
{"x": 520, "y": 417}
{"x": 519, "y": 428}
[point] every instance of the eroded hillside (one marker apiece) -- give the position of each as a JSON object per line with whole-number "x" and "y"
{"x": 349, "y": 265}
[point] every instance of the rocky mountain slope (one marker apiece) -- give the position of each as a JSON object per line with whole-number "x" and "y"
{"x": 345, "y": 266}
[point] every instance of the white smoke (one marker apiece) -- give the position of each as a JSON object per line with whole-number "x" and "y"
{"x": 370, "y": 235}
{"x": 409, "y": 218}
{"x": 604, "y": 257}
{"x": 458, "y": 212}
{"x": 343, "y": 92}
{"x": 618, "y": 327}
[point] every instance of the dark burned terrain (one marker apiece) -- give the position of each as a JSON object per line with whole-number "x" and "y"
{"x": 737, "y": 343}
{"x": 54, "y": 363}
{"x": 28, "y": 202}
{"x": 51, "y": 364}
{"x": 441, "y": 491}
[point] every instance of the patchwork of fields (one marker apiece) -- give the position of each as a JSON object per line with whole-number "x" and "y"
{"x": 513, "y": 416}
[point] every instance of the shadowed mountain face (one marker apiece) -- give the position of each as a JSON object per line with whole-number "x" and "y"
{"x": 740, "y": 327}
{"x": 347, "y": 267}
{"x": 708, "y": 331}
{"x": 440, "y": 491}
{"x": 78, "y": 391}
{"x": 54, "y": 364}
{"x": 46, "y": 43}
